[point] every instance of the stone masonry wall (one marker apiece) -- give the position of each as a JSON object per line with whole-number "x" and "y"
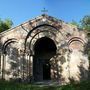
{"x": 17, "y": 47}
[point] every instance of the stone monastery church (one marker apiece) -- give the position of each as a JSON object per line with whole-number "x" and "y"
{"x": 44, "y": 48}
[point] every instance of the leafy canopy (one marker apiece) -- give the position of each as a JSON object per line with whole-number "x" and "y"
{"x": 73, "y": 22}
{"x": 5, "y": 24}
{"x": 85, "y": 22}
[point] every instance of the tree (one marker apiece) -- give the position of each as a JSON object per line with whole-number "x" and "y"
{"x": 85, "y": 22}
{"x": 5, "y": 24}
{"x": 73, "y": 22}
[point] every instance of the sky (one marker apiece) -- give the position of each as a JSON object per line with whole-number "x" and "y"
{"x": 20, "y": 11}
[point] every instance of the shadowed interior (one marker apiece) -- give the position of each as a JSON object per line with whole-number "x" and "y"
{"x": 44, "y": 49}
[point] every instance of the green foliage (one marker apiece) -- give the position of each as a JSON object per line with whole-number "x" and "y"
{"x": 5, "y": 24}
{"x": 24, "y": 86}
{"x": 85, "y": 22}
{"x": 73, "y": 22}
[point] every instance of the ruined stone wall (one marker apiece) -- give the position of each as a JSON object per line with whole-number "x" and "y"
{"x": 17, "y": 47}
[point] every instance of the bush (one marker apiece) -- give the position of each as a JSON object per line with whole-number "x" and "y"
{"x": 5, "y": 85}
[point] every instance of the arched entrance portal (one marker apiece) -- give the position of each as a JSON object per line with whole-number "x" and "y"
{"x": 44, "y": 49}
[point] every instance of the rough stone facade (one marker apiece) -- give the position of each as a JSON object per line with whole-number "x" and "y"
{"x": 44, "y": 45}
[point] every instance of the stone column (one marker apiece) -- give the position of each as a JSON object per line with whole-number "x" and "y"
{"x": 31, "y": 60}
{"x": 0, "y": 65}
{"x": 3, "y": 66}
{"x": 0, "y": 62}
{"x": 68, "y": 66}
{"x": 27, "y": 61}
{"x": 22, "y": 57}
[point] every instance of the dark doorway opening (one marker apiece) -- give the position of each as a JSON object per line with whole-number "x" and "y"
{"x": 46, "y": 70}
{"x": 44, "y": 49}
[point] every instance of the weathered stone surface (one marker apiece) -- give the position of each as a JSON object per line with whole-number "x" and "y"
{"x": 68, "y": 63}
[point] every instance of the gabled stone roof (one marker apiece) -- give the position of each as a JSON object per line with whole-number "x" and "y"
{"x": 44, "y": 17}
{"x": 21, "y": 31}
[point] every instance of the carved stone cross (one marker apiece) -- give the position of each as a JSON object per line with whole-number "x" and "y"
{"x": 44, "y": 11}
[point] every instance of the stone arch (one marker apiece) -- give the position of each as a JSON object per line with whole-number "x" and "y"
{"x": 77, "y": 46}
{"x": 32, "y": 37}
{"x": 4, "y": 53}
{"x": 12, "y": 40}
{"x": 44, "y": 49}
{"x": 53, "y": 32}
{"x": 42, "y": 26}
{"x": 33, "y": 41}
{"x": 78, "y": 40}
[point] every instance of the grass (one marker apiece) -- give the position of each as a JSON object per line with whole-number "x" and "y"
{"x": 22, "y": 86}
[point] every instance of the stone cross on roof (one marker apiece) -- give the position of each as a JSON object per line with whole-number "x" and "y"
{"x": 44, "y": 11}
